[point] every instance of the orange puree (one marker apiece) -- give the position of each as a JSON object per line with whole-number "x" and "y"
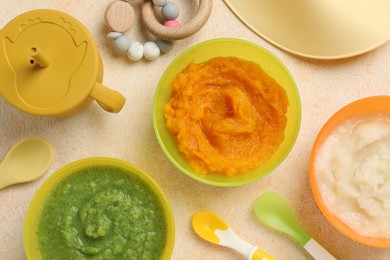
{"x": 228, "y": 115}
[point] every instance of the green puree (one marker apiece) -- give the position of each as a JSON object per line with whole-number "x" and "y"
{"x": 102, "y": 213}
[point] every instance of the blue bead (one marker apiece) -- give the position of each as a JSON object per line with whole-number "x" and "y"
{"x": 160, "y": 3}
{"x": 170, "y": 11}
{"x": 122, "y": 44}
{"x": 165, "y": 46}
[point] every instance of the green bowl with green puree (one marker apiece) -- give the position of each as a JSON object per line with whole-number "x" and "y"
{"x": 99, "y": 208}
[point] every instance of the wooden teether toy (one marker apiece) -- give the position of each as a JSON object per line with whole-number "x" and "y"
{"x": 50, "y": 65}
{"x": 120, "y": 15}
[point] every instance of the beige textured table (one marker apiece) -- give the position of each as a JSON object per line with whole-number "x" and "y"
{"x": 325, "y": 86}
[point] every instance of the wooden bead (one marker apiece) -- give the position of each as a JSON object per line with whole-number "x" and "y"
{"x": 119, "y": 16}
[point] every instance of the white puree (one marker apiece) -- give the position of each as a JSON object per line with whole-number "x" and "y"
{"x": 353, "y": 174}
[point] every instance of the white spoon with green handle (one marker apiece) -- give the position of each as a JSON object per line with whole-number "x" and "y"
{"x": 274, "y": 211}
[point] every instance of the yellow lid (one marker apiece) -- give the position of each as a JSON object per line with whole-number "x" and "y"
{"x": 325, "y": 29}
{"x": 50, "y": 64}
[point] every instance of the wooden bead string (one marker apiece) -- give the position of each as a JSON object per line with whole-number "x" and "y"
{"x": 120, "y": 16}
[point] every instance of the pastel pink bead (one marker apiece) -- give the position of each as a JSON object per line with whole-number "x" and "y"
{"x": 172, "y": 23}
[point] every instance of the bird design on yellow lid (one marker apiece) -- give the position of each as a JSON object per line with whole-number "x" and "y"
{"x": 49, "y": 79}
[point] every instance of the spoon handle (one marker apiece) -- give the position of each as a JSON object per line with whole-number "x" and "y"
{"x": 4, "y": 183}
{"x": 317, "y": 251}
{"x": 5, "y": 178}
{"x": 229, "y": 239}
{"x": 260, "y": 255}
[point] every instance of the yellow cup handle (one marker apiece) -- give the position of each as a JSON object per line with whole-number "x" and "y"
{"x": 107, "y": 98}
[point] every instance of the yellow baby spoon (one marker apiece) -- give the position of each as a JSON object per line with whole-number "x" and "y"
{"x": 212, "y": 228}
{"x": 27, "y": 160}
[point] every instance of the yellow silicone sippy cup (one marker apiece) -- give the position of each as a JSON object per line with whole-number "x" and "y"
{"x": 50, "y": 65}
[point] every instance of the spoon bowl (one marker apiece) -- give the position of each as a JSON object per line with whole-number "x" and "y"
{"x": 27, "y": 160}
{"x": 205, "y": 223}
{"x": 273, "y": 211}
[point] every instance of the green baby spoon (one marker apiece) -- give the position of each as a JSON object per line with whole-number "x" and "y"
{"x": 274, "y": 211}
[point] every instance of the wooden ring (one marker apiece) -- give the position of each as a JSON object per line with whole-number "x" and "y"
{"x": 175, "y": 33}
